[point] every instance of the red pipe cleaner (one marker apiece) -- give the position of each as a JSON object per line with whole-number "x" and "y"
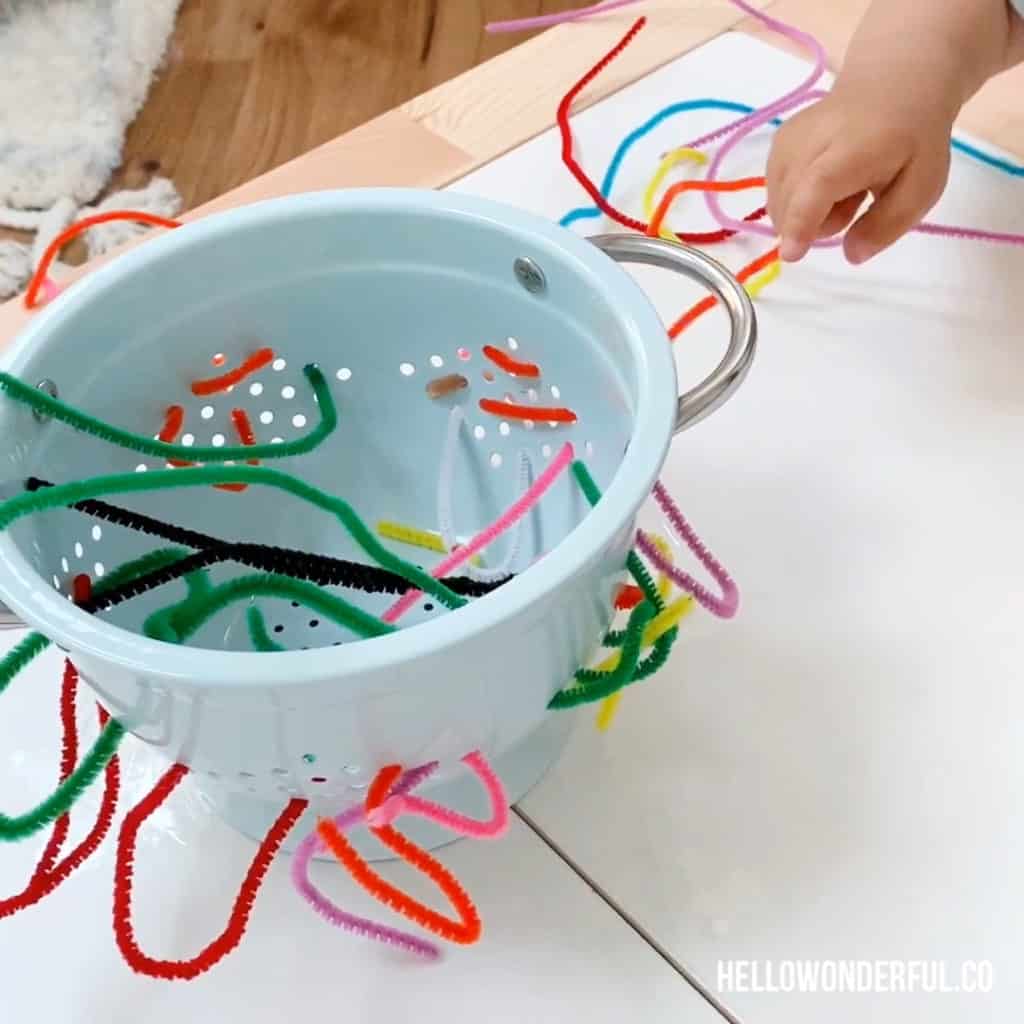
{"x": 186, "y": 970}
{"x": 70, "y": 234}
{"x": 577, "y": 171}
{"x": 49, "y": 874}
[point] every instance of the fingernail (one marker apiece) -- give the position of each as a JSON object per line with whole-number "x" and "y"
{"x": 858, "y": 251}
{"x": 791, "y": 251}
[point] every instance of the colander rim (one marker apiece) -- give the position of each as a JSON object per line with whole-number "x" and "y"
{"x": 43, "y": 608}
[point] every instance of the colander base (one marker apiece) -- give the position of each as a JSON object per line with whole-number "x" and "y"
{"x": 519, "y": 768}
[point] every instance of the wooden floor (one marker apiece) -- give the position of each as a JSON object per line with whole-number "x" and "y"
{"x": 250, "y": 84}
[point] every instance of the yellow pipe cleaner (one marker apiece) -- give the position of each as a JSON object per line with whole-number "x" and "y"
{"x": 428, "y": 540}
{"x": 765, "y": 278}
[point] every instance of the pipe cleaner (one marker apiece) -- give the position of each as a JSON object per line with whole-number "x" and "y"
{"x": 533, "y": 413}
{"x": 445, "y": 513}
{"x": 663, "y": 115}
{"x": 329, "y": 910}
{"x": 259, "y": 634}
{"x": 799, "y": 96}
{"x": 179, "y": 622}
{"x": 610, "y": 705}
{"x": 487, "y": 536}
{"x": 49, "y": 873}
{"x": 225, "y": 381}
{"x": 768, "y": 266}
{"x": 770, "y": 260}
{"x": 465, "y": 929}
{"x": 591, "y": 685}
{"x": 577, "y": 171}
{"x": 745, "y": 125}
{"x": 231, "y": 936}
{"x": 492, "y": 828}
{"x": 136, "y": 483}
{"x": 428, "y": 540}
{"x": 320, "y": 569}
{"x": 513, "y": 367}
{"x": 725, "y": 606}
{"x": 60, "y": 801}
{"x": 668, "y": 163}
{"x": 39, "y": 279}
{"x": 696, "y": 185}
{"x": 83, "y": 422}
{"x": 610, "y": 677}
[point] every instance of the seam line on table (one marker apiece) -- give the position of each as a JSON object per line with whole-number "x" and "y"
{"x": 638, "y": 929}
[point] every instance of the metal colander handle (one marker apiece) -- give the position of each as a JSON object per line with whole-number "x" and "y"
{"x": 707, "y": 396}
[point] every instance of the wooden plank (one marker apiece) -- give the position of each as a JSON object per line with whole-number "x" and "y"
{"x": 493, "y": 108}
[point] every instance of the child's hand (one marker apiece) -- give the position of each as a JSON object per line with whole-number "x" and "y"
{"x": 827, "y": 159}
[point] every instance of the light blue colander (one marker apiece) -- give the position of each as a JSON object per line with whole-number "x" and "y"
{"x": 381, "y": 289}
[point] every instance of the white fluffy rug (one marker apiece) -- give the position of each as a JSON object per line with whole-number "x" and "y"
{"x": 73, "y": 75}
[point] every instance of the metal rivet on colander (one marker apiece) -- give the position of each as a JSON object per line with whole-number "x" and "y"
{"x": 47, "y": 387}
{"x": 530, "y": 276}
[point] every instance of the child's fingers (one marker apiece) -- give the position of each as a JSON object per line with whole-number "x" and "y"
{"x": 795, "y": 149}
{"x": 829, "y": 182}
{"x": 894, "y": 212}
{"x": 842, "y": 214}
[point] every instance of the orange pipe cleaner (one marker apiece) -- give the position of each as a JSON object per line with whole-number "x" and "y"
{"x": 697, "y": 185}
{"x": 465, "y": 931}
{"x": 511, "y": 366}
{"x": 70, "y": 234}
{"x": 173, "y": 423}
{"x": 762, "y": 262}
{"x": 511, "y": 411}
{"x": 702, "y": 307}
{"x": 214, "y": 385}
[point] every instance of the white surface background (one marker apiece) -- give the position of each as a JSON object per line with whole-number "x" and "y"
{"x": 833, "y": 775}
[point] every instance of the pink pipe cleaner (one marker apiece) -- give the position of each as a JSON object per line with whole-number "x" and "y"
{"x": 401, "y": 804}
{"x": 329, "y": 910}
{"x": 804, "y": 39}
{"x": 724, "y": 607}
{"x": 486, "y": 537}
{"x": 547, "y": 20}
